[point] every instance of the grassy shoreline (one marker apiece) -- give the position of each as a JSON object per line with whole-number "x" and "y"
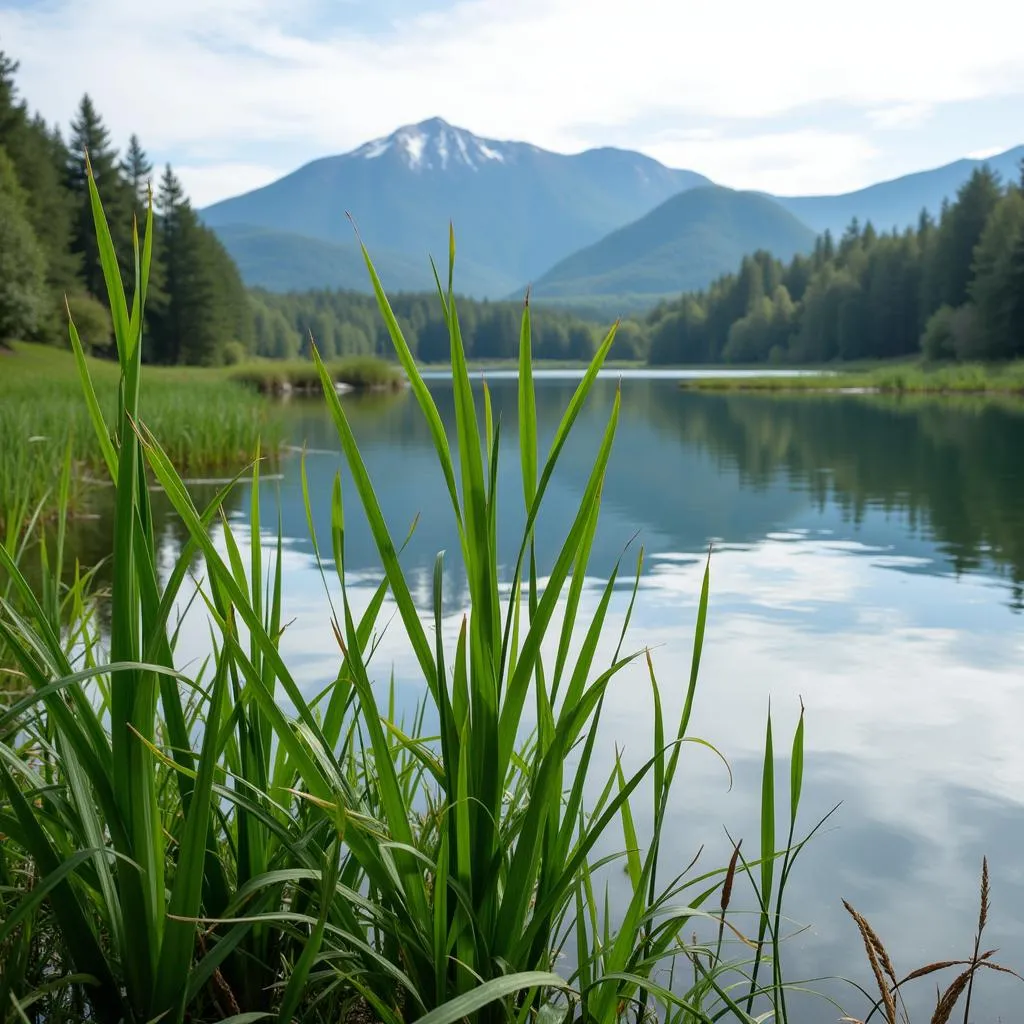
{"x": 206, "y": 423}
{"x": 208, "y": 419}
{"x": 356, "y": 373}
{"x": 903, "y": 378}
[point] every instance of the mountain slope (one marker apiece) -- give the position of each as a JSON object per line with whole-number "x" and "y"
{"x": 897, "y": 203}
{"x": 682, "y": 245}
{"x": 282, "y": 261}
{"x": 516, "y": 209}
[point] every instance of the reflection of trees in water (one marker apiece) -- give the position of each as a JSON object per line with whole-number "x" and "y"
{"x": 950, "y": 464}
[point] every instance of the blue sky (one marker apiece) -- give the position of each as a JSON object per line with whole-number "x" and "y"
{"x": 793, "y": 97}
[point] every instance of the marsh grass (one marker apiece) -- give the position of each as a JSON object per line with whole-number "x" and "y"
{"x": 358, "y": 372}
{"x": 890, "y": 1004}
{"x": 206, "y": 423}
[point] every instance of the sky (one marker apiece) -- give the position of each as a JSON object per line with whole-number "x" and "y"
{"x": 793, "y": 97}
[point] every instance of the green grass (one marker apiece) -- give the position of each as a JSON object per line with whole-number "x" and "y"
{"x": 207, "y": 424}
{"x": 178, "y": 845}
{"x": 358, "y": 372}
{"x": 898, "y": 378}
{"x": 175, "y": 842}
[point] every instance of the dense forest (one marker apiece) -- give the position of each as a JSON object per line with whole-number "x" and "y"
{"x": 197, "y": 310}
{"x": 953, "y": 289}
{"x": 344, "y": 322}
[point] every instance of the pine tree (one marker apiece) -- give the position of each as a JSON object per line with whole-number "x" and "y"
{"x": 137, "y": 172}
{"x": 993, "y": 286}
{"x": 165, "y": 332}
{"x": 959, "y": 232}
{"x": 1015, "y": 317}
{"x": 751, "y": 284}
{"x": 90, "y": 141}
{"x": 207, "y": 305}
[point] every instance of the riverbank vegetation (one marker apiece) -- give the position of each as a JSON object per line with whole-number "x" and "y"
{"x": 208, "y": 423}
{"x": 281, "y": 376}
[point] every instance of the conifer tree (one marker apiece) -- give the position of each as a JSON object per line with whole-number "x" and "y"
{"x": 994, "y": 290}
{"x": 137, "y": 172}
{"x": 90, "y": 136}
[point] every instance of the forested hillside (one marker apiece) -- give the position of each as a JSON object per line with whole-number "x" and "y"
{"x": 197, "y": 308}
{"x": 953, "y": 288}
{"x": 684, "y": 243}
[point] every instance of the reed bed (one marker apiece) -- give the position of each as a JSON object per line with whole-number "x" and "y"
{"x": 207, "y": 424}
{"x": 179, "y": 846}
{"x": 361, "y": 373}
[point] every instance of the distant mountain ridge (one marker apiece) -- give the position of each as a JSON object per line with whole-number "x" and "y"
{"x": 517, "y": 209}
{"x": 897, "y": 203}
{"x": 524, "y": 214}
{"x": 681, "y": 245}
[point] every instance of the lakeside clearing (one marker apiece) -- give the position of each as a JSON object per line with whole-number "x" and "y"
{"x": 211, "y": 840}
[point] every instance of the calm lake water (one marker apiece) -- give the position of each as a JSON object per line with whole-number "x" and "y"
{"x": 868, "y": 557}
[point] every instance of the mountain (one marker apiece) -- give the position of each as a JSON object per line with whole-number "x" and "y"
{"x": 282, "y": 261}
{"x": 897, "y": 203}
{"x": 517, "y": 209}
{"x": 681, "y": 245}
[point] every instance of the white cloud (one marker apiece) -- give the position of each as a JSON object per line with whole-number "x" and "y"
{"x": 786, "y": 163}
{"x": 207, "y": 183}
{"x": 536, "y": 69}
{"x": 902, "y": 115}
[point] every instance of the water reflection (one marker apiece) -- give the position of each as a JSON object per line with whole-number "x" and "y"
{"x": 934, "y": 483}
{"x": 869, "y": 559}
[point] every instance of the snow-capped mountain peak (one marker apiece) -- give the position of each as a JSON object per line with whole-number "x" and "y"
{"x": 435, "y": 145}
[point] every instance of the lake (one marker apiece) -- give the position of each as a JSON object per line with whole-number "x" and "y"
{"x": 867, "y": 558}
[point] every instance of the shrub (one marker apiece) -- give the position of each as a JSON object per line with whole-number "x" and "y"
{"x": 94, "y": 325}
{"x": 233, "y": 353}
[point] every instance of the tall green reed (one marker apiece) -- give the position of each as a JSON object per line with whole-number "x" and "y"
{"x": 191, "y": 847}
{"x": 207, "y": 422}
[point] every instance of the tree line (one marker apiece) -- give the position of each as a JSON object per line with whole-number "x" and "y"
{"x": 349, "y": 323}
{"x": 197, "y": 309}
{"x": 952, "y": 288}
